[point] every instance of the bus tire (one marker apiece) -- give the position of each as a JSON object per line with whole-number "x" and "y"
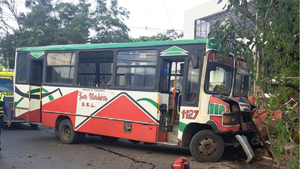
{"x": 206, "y": 146}
{"x": 66, "y": 133}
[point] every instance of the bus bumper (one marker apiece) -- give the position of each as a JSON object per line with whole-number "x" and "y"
{"x": 246, "y": 146}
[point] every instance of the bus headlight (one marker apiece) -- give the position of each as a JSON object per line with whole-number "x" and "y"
{"x": 230, "y": 119}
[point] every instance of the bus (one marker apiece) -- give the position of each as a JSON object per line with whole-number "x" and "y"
{"x": 6, "y": 88}
{"x": 165, "y": 92}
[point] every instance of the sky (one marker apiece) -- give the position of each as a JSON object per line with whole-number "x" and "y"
{"x": 156, "y": 15}
{"x": 150, "y": 17}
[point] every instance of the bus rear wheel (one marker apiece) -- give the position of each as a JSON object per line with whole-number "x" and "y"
{"x": 206, "y": 146}
{"x": 66, "y": 133}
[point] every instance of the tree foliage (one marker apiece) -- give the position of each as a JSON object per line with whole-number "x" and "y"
{"x": 168, "y": 35}
{"x": 271, "y": 47}
{"x": 50, "y": 22}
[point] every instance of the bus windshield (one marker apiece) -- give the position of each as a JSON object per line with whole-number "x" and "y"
{"x": 219, "y": 75}
{"x": 6, "y": 85}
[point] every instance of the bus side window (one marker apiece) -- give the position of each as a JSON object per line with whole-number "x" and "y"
{"x": 192, "y": 84}
{"x": 60, "y": 67}
{"x": 86, "y": 74}
{"x": 95, "y": 69}
{"x": 105, "y": 74}
{"x": 136, "y": 68}
{"x": 22, "y": 69}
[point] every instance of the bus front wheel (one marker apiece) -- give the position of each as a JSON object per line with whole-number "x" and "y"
{"x": 66, "y": 133}
{"x": 206, "y": 146}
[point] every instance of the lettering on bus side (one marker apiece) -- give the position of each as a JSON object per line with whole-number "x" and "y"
{"x": 189, "y": 114}
{"x": 85, "y": 98}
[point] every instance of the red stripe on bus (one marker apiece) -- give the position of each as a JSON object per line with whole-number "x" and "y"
{"x": 64, "y": 104}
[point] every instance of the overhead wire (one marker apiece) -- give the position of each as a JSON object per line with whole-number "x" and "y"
{"x": 168, "y": 14}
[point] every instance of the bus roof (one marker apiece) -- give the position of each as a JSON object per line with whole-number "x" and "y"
{"x": 111, "y": 45}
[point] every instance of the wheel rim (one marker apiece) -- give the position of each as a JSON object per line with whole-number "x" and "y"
{"x": 207, "y": 147}
{"x": 66, "y": 132}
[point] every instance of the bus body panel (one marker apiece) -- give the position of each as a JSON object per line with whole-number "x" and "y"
{"x": 88, "y": 108}
{"x": 187, "y": 116}
{"x": 22, "y": 102}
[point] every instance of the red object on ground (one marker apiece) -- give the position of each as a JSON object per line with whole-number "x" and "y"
{"x": 180, "y": 163}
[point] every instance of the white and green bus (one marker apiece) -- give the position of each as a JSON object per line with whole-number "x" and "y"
{"x": 167, "y": 92}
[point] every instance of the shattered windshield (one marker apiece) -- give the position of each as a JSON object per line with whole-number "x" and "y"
{"x": 219, "y": 75}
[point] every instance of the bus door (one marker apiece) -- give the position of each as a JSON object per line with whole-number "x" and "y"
{"x": 171, "y": 88}
{"x": 35, "y": 91}
{"x": 180, "y": 79}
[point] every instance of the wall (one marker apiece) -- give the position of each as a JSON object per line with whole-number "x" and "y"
{"x": 200, "y": 11}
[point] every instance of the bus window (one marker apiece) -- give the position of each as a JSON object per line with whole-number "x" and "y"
{"x": 86, "y": 74}
{"x": 21, "y": 71}
{"x": 105, "y": 74}
{"x": 166, "y": 77}
{"x": 179, "y": 77}
{"x": 192, "y": 85}
{"x": 136, "y": 68}
{"x": 241, "y": 85}
{"x": 220, "y": 79}
{"x": 95, "y": 69}
{"x": 60, "y": 68}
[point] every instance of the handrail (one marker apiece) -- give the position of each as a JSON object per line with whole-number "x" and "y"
{"x": 174, "y": 93}
{"x": 29, "y": 92}
{"x": 158, "y": 102}
{"x": 178, "y": 103}
{"x": 41, "y": 93}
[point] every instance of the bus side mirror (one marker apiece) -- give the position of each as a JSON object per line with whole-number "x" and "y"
{"x": 195, "y": 62}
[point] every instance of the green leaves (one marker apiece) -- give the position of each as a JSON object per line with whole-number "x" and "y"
{"x": 55, "y": 23}
{"x": 271, "y": 48}
{"x": 168, "y": 35}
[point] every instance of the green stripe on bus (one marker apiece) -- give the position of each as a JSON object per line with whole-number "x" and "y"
{"x": 221, "y": 109}
{"x": 211, "y": 108}
{"x": 216, "y": 109}
{"x": 50, "y": 96}
{"x": 148, "y": 100}
{"x": 111, "y": 45}
{"x": 35, "y": 91}
{"x": 181, "y": 126}
{"x": 16, "y": 103}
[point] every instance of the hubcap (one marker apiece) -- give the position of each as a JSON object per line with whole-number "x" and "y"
{"x": 207, "y": 146}
{"x": 67, "y": 132}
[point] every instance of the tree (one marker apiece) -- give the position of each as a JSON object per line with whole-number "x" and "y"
{"x": 8, "y": 17}
{"x": 108, "y": 23}
{"x": 50, "y": 22}
{"x": 271, "y": 48}
{"x": 168, "y": 35}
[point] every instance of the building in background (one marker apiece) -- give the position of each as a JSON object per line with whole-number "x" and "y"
{"x": 201, "y": 11}
{"x": 200, "y": 20}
